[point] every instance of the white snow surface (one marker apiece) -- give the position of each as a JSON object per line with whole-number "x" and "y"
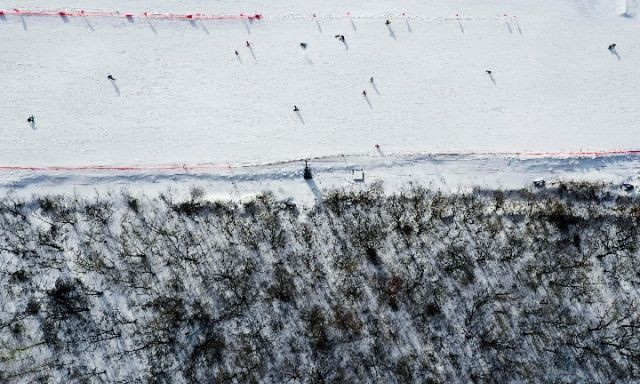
{"x": 183, "y": 97}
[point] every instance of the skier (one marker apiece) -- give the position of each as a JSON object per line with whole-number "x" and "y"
{"x": 387, "y": 22}
{"x": 248, "y": 45}
{"x": 488, "y": 72}
{"x": 295, "y": 108}
{"x": 110, "y": 77}
{"x": 303, "y": 45}
{"x": 237, "y": 54}
{"x": 340, "y": 37}
{"x": 31, "y": 120}
{"x": 364, "y": 93}
{"x": 612, "y": 47}
{"x": 377, "y": 146}
{"x": 371, "y": 80}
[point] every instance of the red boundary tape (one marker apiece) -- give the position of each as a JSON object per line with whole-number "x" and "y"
{"x": 228, "y": 167}
{"x": 15, "y": 11}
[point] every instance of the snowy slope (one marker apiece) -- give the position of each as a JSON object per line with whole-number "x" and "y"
{"x": 183, "y": 96}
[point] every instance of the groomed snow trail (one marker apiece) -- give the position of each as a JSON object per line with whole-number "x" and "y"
{"x": 183, "y": 97}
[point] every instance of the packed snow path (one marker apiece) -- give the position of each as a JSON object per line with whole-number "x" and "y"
{"x": 181, "y": 95}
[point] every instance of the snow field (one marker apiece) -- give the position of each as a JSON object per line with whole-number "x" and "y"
{"x": 182, "y": 96}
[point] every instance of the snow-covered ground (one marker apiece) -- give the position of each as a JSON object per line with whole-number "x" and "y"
{"x": 182, "y": 96}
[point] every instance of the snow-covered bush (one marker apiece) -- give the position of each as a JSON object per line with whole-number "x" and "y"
{"x": 412, "y": 286}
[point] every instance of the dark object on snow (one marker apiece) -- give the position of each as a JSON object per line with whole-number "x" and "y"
{"x": 237, "y": 53}
{"x": 488, "y": 72}
{"x": 307, "y": 171}
{"x": 110, "y": 77}
{"x": 31, "y": 120}
{"x": 539, "y": 183}
{"x": 288, "y": 204}
{"x": 627, "y": 187}
{"x": 340, "y": 37}
{"x": 612, "y": 47}
{"x": 364, "y": 93}
{"x": 303, "y": 45}
{"x": 371, "y": 80}
{"x": 248, "y": 44}
{"x": 387, "y": 22}
{"x": 295, "y": 108}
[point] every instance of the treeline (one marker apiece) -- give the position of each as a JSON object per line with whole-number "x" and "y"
{"x": 417, "y": 285}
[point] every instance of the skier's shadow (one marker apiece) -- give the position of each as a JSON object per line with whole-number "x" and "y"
{"x": 492, "y": 79}
{"x": 3, "y": 17}
{"x": 409, "y": 26}
{"x": 152, "y": 28}
{"x": 346, "y": 46}
{"x": 353, "y": 25}
{"x": 253, "y": 54}
{"x": 315, "y": 190}
{"x": 461, "y": 26}
{"x": 115, "y": 87}
{"x": 32, "y": 124}
{"x": 300, "y": 117}
{"x": 392, "y": 34}
{"x": 64, "y": 18}
{"x": 614, "y": 52}
{"x": 368, "y": 101}
{"x": 89, "y": 24}
{"x": 375, "y": 88}
{"x": 204, "y": 28}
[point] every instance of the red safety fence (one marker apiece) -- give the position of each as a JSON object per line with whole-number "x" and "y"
{"x": 131, "y": 15}
{"x": 229, "y": 167}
